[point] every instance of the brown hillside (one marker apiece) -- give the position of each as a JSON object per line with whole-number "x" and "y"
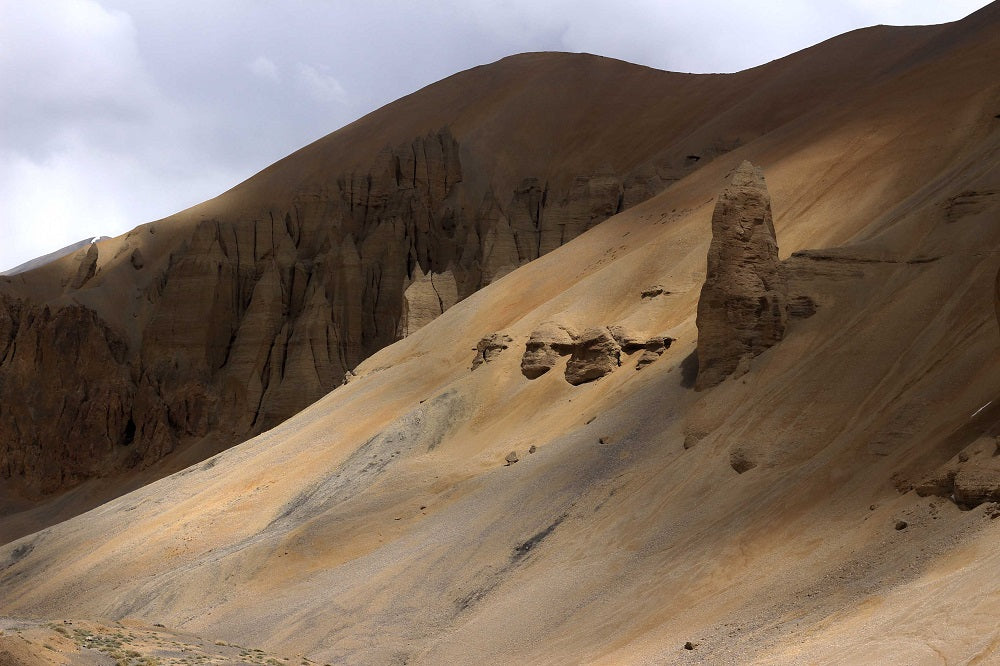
{"x": 198, "y": 331}
{"x": 816, "y": 507}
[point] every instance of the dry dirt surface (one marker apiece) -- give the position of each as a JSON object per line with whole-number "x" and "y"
{"x": 771, "y": 518}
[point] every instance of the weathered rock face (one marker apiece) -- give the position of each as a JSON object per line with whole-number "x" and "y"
{"x": 595, "y": 355}
{"x": 255, "y": 315}
{"x": 427, "y": 297}
{"x": 742, "y": 309}
{"x": 66, "y": 395}
{"x": 545, "y": 346}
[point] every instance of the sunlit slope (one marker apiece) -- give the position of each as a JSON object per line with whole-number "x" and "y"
{"x": 381, "y": 524}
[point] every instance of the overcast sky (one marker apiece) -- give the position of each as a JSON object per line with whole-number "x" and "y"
{"x": 118, "y": 112}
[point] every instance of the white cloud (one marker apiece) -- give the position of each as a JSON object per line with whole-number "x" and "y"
{"x": 264, "y": 68}
{"x": 320, "y": 85}
{"x": 52, "y": 203}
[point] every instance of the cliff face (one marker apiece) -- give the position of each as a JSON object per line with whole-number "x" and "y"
{"x": 254, "y": 316}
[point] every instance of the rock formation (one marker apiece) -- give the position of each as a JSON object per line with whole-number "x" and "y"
{"x": 970, "y": 478}
{"x": 595, "y": 355}
{"x": 546, "y": 345}
{"x": 490, "y": 347}
{"x": 742, "y": 308}
{"x": 67, "y": 395}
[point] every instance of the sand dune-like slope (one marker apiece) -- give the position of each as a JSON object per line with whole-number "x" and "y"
{"x": 381, "y": 525}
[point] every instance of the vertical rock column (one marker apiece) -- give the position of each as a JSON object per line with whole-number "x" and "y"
{"x": 741, "y": 311}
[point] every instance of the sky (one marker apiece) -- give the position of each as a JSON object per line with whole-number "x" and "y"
{"x": 118, "y": 112}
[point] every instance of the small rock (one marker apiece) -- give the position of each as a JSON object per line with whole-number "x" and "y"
{"x": 689, "y": 645}
{"x": 511, "y": 458}
{"x": 901, "y": 525}
{"x": 490, "y": 347}
{"x": 654, "y": 291}
{"x": 532, "y": 449}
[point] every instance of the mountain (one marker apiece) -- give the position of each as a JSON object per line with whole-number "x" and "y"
{"x": 52, "y": 256}
{"x": 190, "y": 334}
{"x": 827, "y": 500}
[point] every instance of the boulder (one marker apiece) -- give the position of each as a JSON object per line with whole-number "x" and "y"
{"x": 544, "y": 347}
{"x": 978, "y": 483}
{"x": 595, "y": 355}
{"x": 742, "y": 308}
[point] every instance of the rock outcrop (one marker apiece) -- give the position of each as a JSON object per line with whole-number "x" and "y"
{"x": 742, "y": 308}
{"x": 970, "y": 478}
{"x": 545, "y": 346}
{"x": 490, "y": 347}
{"x": 595, "y": 354}
{"x": 592, "y": 355}
{"x": 69, "y": 410}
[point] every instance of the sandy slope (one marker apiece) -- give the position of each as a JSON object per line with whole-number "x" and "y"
{"x": 380, "y": 525}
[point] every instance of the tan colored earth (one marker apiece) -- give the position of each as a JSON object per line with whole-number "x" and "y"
{"x": 771, "y": 518}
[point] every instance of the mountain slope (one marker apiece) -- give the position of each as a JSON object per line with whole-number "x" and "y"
{"x": 200, "y": 330}
{"x": 381, "y": 525}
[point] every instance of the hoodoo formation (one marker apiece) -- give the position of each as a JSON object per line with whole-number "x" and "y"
{"x": 741, "y": 311}
{"x": 502, "y": 485}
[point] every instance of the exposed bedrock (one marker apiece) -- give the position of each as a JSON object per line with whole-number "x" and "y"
{"x": 742, "y": 308}
{"x": 545, "y": 346}
{"x": 592, "y": 354}
{"x": 595, "y": 355}
{"x": 252, "y": 316}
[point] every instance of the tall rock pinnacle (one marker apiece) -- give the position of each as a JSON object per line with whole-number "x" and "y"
{"x": 741, "y": 311}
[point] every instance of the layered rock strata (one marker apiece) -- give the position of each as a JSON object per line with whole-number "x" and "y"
{"x": 742, "y": 308}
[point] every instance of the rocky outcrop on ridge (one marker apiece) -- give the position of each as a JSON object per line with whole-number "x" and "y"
{"x": 742, "y": 308}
